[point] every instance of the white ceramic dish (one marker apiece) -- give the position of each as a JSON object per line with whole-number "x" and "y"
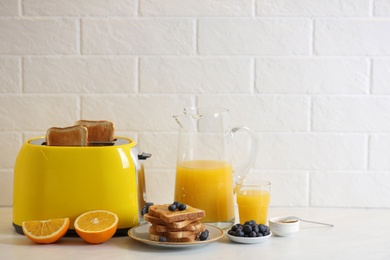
{"x": 248, "y": 240}
{"x": 282, "y": 229}
{"x": 141, "y": 234}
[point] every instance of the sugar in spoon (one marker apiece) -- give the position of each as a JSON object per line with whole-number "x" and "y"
{"x": 292, "y": 219}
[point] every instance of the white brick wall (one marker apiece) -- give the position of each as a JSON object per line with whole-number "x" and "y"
{"x": 310, "y": 77}
{"x": 310, "y": 8}
{"x": 10, "y": 75}
{"x": 9, "y": 7}
{"x": 313, "y": 75}
{"x": 79, "y": 8}
{"x": 196, "y": 75}
{"x": 196, "y": 8}
{"x": 35, "y": 36}
{"x": 354, "y": 36}
{"x": 254, "y": 36}
{"x": 79, "y": 75}
{"x": 137, "y": 36}
{"x": 380, "y": 76}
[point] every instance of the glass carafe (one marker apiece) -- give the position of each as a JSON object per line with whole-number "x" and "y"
{"x": 205, "y": 176}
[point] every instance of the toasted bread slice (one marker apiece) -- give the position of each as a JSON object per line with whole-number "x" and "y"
{"x": 162, "y": 212}
{"x": 98, "y": 131}
{"x": 190, "y": 227}
{"x": 176, "y": 234}
{"x": 153, "y": 219}
{"x": 182, "y": 223}
{"x": 182, "y": 234}
{"x": 153, "y": 231}
{"x": 67, "y": 136}
{"x": 177, "y": 224}
{"x": 170, "y": 239}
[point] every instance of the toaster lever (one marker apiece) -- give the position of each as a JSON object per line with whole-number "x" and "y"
{"x": 144, "y": 156}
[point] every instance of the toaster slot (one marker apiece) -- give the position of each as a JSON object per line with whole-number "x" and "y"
{"x": 117, "y": 141}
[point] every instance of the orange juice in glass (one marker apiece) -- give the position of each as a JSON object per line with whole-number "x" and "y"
{"x": 253, "y": 198}
{"x": 208, "y": 185}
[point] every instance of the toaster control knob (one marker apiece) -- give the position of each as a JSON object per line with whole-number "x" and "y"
{"x": 144, "y": 156}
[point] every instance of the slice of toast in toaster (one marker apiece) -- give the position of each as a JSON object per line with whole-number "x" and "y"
{"x": 67, "y": 136}
{"x": 162, "y": 212}
{"x": 99, "y": 130}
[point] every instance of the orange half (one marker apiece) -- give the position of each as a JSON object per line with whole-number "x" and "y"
{"x": 96, "y": 226}
{"x": 45, "y": 231}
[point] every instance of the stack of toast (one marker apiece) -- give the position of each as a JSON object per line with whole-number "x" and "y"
{"x": 174, "y": 226}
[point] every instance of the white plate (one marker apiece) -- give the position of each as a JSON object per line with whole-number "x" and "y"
{"x": 248, "y": 240}
{"x": 141, "y": 233}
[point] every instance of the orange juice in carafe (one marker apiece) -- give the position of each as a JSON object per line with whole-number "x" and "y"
{"x": 207, "y": 185}
{"x": 205, "y": 178}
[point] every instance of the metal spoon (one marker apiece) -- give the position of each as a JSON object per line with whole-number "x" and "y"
{"x": 292, "y": 219}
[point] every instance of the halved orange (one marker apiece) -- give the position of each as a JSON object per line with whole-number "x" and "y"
{"x": 96, "y": 226}
{"x": 45, "y": 231}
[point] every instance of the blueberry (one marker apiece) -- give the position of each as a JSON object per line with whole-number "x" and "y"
{"x": 259, "y": 234}
{"x": 231, "y": 232}
{"x": 266, "y": 231}
{"x": 262, "y": 228}
{"x": 162, "y": 239}
{"x": 252, "y": 234}
{"x": 176, "y": 203}
{"x": 255, "y": 228}
{"x": 182, "y": 207}
{"x": 172, "y": 207}
{"x": 247, "y": 229}
{"x": 250, "y": 222}
{"x": 145, "y": 209}
{"x": 233, "y": 228}
{"x": 204, "y": 235}
{"x": 239, "y": 233}
{"x": 148, "y": 204}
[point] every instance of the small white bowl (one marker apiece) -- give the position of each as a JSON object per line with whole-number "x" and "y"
{"x": 282, "y": 229}
{"x": 248, "y": 240}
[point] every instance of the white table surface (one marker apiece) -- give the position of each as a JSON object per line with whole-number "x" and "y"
{"x": 357, "y": 234}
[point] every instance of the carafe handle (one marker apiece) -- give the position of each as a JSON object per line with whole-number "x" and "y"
{"x": 240, "y": 172}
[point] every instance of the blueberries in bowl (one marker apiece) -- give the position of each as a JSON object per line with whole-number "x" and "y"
{"x": 249, "y": 229}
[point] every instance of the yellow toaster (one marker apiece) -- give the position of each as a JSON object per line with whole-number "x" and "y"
{"x": 66, "y": 181}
